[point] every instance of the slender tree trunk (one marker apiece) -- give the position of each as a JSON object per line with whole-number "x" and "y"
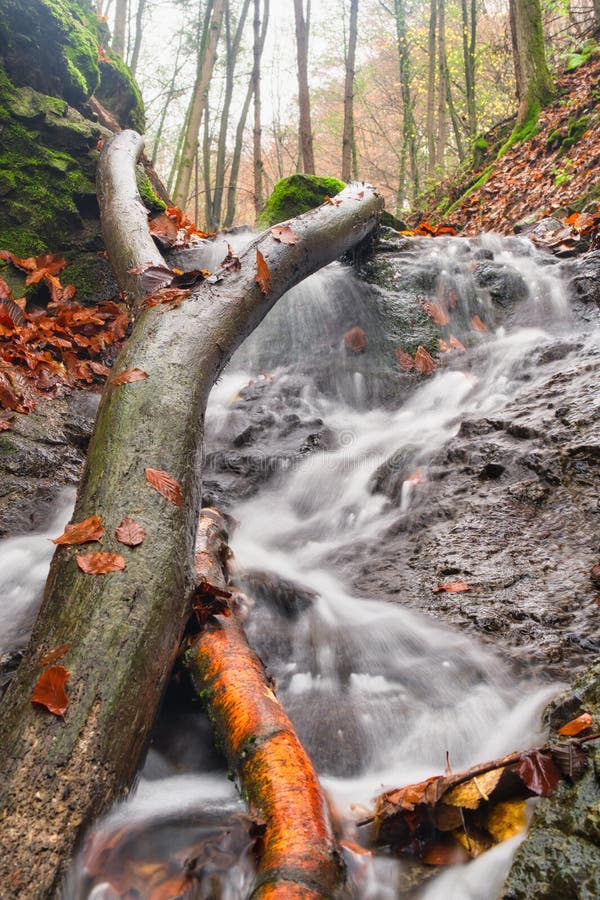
{"x": 597, "y": 17}
{"x": 239, "y": 134}
{"x": 442, "y": 136}
{"x": 431, "y": 89}
{"x": 233, "y": 46}
{"x": 348, "y": 142}
{"x": 167, "y": 103}
{"x": 534, "y": 82}
{"x": 409, "y": 136}
{"x": 469, "y": 36}
{"x": 206, "y": 159}
{"x": 137, "y": 43}
{"x": 257, "y": 132}
{"x": 207, "y": 60}
{"x": 120, "y": 27}
{"x": 456, "y": 126}
{"x": 305, "y": 131}
{"x": 123, "y": 630}
{"x": 175, "y": 166}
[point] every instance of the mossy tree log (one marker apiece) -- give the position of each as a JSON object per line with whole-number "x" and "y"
{"x": 124, "y": 628}
{"x": 297, "y": 850}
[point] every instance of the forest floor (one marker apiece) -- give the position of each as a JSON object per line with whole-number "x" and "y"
{"x": 553, "y": 173}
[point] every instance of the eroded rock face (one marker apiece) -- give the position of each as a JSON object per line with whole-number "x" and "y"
{"x": 40, "y": 455}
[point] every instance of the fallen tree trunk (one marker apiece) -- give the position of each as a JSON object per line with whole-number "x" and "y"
{"x": 298, "y": 854}
{"x": 123, "y": 629}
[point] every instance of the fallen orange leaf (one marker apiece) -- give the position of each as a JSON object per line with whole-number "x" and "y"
{"x": 477, "y": 324}
{"x": 423, "y": 361}
{"x": 130, "y": 532}
{"x": 576, "y": 726}
{"x": 128, "y": 376}
{"x": 53, "y": 655}
{"x": 81, "y": 532}
{"x": 166, "y": 485}
{"x": 285, "y": 234}
{"x": 100, "y": 563}
{"x": 263, "y": 274}
{"x": 452, "y": 587}
{"x": 49, "y": 690}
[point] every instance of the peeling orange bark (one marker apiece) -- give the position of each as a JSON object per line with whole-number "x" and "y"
{"x": 298, "y": 855}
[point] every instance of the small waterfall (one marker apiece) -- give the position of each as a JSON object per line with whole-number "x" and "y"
{"x": 378, "y": 693}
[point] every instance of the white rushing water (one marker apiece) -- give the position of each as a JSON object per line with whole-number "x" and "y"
{"x": 378, "y": 693}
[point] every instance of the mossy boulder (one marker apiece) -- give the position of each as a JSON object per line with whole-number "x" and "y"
{"x": 119, "y": 93}
{"x": 47, "y": 168}
{"x": 52, "y": 46}
{"x": 295, "y": 195}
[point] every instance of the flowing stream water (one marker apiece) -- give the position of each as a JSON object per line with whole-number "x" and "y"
{"x": 378, "y": 693}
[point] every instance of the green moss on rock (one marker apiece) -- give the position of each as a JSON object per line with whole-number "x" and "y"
{"x": 47, "y": 168}
{"x": 152, "y": 203}
{"x": 119, "y": 93}
{"x": 295, "y": 195}
{"x": 52, "y": 46}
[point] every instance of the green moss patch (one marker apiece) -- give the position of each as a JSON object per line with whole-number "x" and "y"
{"x": 295, "y": 195}
{"x": 52, "y": 46}
{"x": 47, "y": 168}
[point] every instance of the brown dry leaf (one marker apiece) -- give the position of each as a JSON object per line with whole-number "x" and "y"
{"x": 452, "y": 587}
{"x": 477, "y": 324}
{"x": 424, "y": 362}
{"x": 53, "y": 655}
{"x": 168, "y": 295}
{"x": 436, "y": 312}
{"x": 100, "y": 563}
{"x": 263, "y": 273}
{"x": 444, "y": 853}
{"x": 456, "y": 344}
{"x": 355, "y": 340}
{"x": 443, "y": 347}
{"x": 539, "y": 773}
{"x": 232, "y": 262}
{"x": 576, "y": 726}
{"x": 128, "y": 376}
{"x": 130, "y": 532}
{"x": 285, "y": 234}
{"x": 474, "y": 844}
{"x": 470, "y": 794}
{"x": 49, "y": 690}
{"x": 405, "y": 360}
{"x": 81, "y": 532}
{"x": 166, "y": 485}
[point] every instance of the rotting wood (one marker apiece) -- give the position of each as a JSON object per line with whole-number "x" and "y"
{"x": 297, "y": 856}
{"x": 124, "y": 629}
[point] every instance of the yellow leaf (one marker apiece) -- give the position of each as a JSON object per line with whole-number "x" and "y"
{"x": 506, "y": 819}
{"x": 470, "y": 794}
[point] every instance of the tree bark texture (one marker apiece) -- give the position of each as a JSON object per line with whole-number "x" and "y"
{"x": 431, "y": 90}
{"x": 124, "y": 628}
{"x": 137, "y": 43}
{"x": 207, "y": 60}
{"x": 409, "y": 136}
{"x": 305, "y": 132}
{"x": 534, "y": 82}
{"x": 275, "y": 774}
{"x": 348, "y": 144}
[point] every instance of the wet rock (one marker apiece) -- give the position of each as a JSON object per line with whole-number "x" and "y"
{"x": 283, "y": 595}
{"x": 583, "y": 278}
{"x": 41, "y": 454}
{"x": 504, "y": 285}
{"x": 559, "y": 857}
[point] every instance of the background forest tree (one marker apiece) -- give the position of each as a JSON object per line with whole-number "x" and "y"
{"x": 400, "y": 90}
